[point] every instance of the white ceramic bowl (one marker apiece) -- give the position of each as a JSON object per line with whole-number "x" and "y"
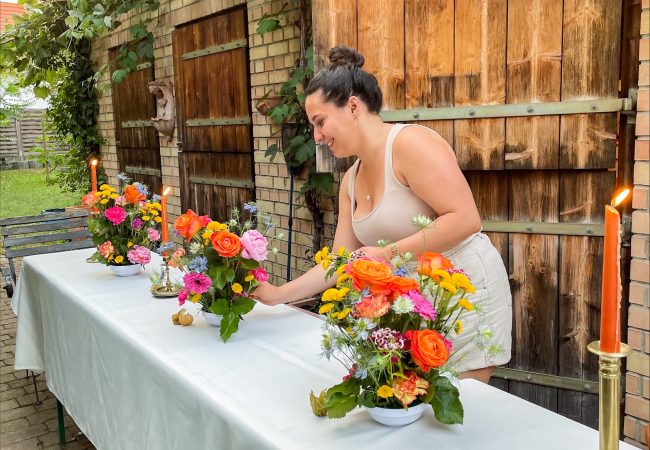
{"x": 126, "y": 271}
{"x": 398, "y": 417}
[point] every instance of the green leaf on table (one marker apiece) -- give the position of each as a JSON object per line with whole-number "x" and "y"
{"x": 220, "y": 307}
{"x": 446, "y": 402}
{"x": 242, "y": 305}
{"x": 342, "y": 398}
{"x": 229, "y": 325}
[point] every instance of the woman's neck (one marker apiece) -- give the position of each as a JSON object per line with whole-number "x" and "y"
{"x": 374, "y": 133}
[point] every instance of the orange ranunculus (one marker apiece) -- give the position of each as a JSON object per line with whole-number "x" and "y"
{"x": 428, "y": 348}
{"x": 401, "y": 285}
{"x": 187, "y": 224}
{"x": 407, "y": 389}
{"x": 89, "y": 199}
{"x": 372, "y": 306}
{"x": 133, "y": 195}
{"x": 429, "y": 261}
{"x": 226, "y": 243}
{"x": 374, "y": 275}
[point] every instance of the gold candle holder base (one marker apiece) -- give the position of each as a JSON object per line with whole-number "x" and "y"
{"x": 609, "y": 394}
{"x": 167, "y": 289}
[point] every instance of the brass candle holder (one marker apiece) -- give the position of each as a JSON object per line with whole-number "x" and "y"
{"x": 167, "y": 288}
{"x": 609, "y": 394}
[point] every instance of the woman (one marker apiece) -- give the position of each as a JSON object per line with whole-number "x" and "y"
{"x": 401, "y": 171}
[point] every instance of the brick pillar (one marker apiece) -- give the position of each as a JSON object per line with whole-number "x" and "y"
{"x": 637, "y": 403}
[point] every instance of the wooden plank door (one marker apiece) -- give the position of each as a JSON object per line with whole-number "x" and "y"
{"x": 138, "y": 146}
{"x": 213, "y": 99}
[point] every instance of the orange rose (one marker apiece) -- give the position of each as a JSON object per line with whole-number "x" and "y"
{"x": 374, "y": 275}
{"x": 133, "y": 195}
{"x": 89, "y": 199}
{"x": 401, "y": 285}
{"x": 372, "y": 306}
{"x": 429, "y": 261}
{"x": 187, "y": 224}
{"x": 226, "y": 243}
{"x": 428, "y": 348}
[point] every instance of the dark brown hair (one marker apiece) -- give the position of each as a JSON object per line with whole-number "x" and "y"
{"x": 344, "y": 77}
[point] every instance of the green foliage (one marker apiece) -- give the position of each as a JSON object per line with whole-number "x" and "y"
{"x": 342, "y": 398}
{"x": 45, "y": 154}
{"x": 49, "y": 49}
{"x": 445, "y": 400}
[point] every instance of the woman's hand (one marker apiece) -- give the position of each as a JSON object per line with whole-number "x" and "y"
{"x": 268, "y": 294}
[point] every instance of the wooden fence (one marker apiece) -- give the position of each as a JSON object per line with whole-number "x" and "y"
{"x": 23, "y": 134}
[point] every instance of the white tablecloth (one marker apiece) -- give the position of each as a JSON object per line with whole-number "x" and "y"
{"x": 132, "y": 380}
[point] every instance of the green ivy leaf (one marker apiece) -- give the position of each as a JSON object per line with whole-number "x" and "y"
{"x": 271, "y": 152}
{"x": 119, "y": 75}
{"x": 98, "y": 9}
{"x": 267, "y": 24}
{"x": 446, "y": 402}
{"x": 229, "y": 325}
{"x": 41, "y": 91}
{"x": 220, "y": 307}
{"x": 342, "y": 398}
{"x": 242, "y": 305}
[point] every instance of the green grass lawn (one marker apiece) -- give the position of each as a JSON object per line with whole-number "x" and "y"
{"x": 24, "y": 193}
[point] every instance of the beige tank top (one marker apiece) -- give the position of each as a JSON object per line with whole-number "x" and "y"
{"x": 391, "y": 219}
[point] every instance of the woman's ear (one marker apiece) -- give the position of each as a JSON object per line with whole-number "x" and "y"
{"x": 354, "y": 104}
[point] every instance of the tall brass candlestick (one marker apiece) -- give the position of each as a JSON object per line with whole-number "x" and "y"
{"x": 609, "y": 394}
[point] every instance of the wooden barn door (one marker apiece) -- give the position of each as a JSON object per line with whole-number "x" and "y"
{"x": 531, "y": 95}
{"x": 213, "y": 98}
{"x": 138, "y": 147}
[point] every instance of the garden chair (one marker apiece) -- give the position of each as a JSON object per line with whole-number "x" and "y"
{"x": 36, "y": 235}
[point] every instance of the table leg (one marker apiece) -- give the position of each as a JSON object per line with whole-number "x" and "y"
{"x": 59, "y": 414}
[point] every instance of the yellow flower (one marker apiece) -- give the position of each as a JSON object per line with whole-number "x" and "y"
{"x": 206, "y": 235}
{"x": 195, "y": 298}
{"x": 326, "y": 263}
{"x": 104, "y": 187}
{"x": 154, "y": 213}
{"x": 157, "y": 219}
{"x": 146, "y": 218}
{"x": 130, "y": 244}
{"x": 103, "y": 201}
{"x": 458, "y": 327}
{"x": 385, "y": 391}
{"x": 114, "y": 196}
{"x": 343, "y": 313}
{"x": 340, "y": 271}
{"x": 341, "y": 251}
{"x": 463, "y": 282}
{"x": 237, "y": 288}
{"x": 326, "y": 308}
{"x": 442, "y": 274}
{"x": 330, "y": 295}
{"x": 343, "y": 292}
{"x": 466, "y": 304}
{"x": 143, "y": 211}
{"x": 342, "y": 279}
{"x": 119, "y": 259}
{"x": 216, "y": 226}
{"x": 249, "y": 278}
{"x": 448, "y": 286}
{"x": 157, "y": 205}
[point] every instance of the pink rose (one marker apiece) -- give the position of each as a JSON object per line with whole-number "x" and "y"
{"x": 115, "y": 214}
{"x": 153, "y": 234}
{"x": 139, "y": 255}
{"x": 89, "y": 199}
{"x": 120, "y": 201}
{"x": 106, "y": 250}
{"x": 254, "y": 244}
{"x": 182, "y": 296}
{"x": 205, "y": 220}
{"x": 260, "y": 275}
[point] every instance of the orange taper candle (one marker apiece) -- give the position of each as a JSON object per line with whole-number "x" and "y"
{"x": 163, "y": 203}
{"x": 610, "y": 309}
{"x": 93, "y": 174}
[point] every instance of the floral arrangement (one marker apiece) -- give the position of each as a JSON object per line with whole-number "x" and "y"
{"x": 391, "y": 330}
{"x": 222, "y": 262}
{"x": 124, "y": 225}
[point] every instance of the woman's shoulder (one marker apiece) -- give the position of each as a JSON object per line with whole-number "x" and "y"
{"x": 419, "y": 144}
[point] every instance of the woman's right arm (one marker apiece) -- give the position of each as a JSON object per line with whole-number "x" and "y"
{"x": 313, "y": 281}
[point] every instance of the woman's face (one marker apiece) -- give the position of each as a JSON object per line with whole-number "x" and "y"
{"x": 332, "y": 124}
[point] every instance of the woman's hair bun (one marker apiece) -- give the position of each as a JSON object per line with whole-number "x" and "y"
{"x": 345, "y": 55}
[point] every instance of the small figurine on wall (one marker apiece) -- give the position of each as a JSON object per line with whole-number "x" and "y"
{"x": 165, "y": 119}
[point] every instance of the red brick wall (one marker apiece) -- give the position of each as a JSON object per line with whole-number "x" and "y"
{"x": 7, "y": 11}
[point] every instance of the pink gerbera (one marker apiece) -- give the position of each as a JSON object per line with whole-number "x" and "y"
{"x": 116, "y": 215}
{"x": 197, "y": 283}
{"x": 422, "y": 305}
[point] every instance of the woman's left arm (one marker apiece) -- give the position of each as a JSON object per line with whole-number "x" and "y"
{"x": 427, "y": 165}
